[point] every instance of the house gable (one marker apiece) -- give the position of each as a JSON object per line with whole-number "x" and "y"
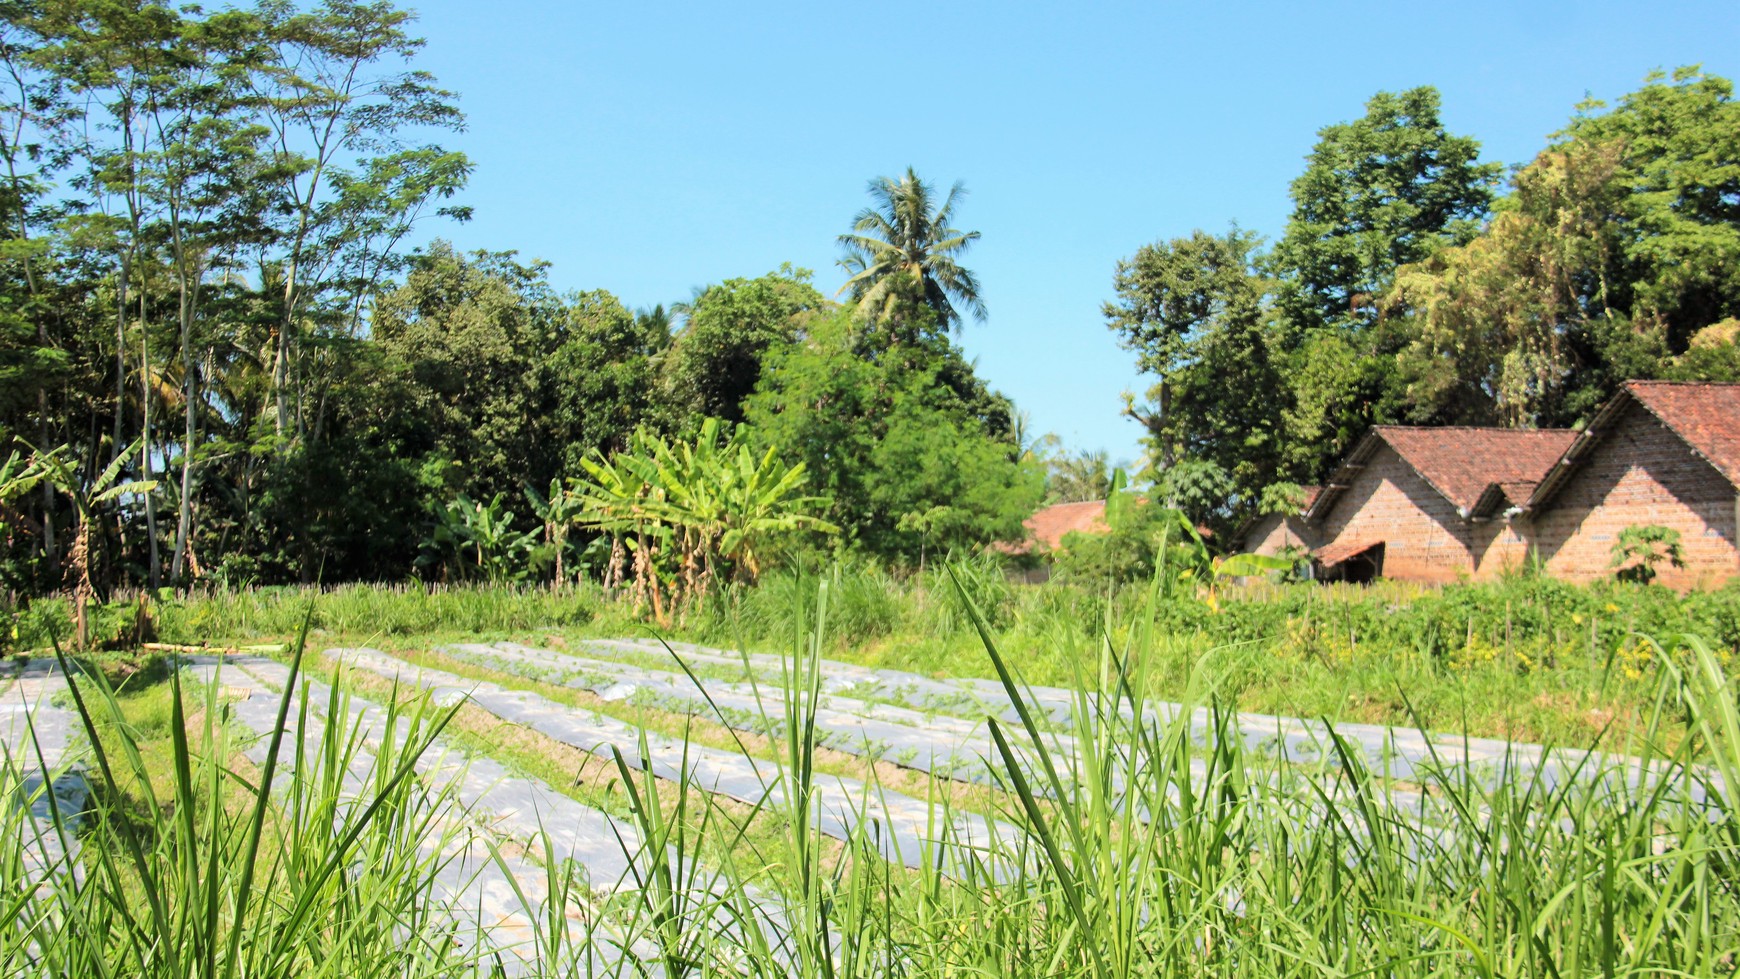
{"x": 1429, "y": 496}
{"x": 1632, "y": 467}
{"x": 1386, "y": 501}
{"x": 1278, "y": 532}
{"x": 1470, "y": 468}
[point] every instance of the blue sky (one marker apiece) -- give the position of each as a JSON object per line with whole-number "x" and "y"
{"x": 649, "y": 148}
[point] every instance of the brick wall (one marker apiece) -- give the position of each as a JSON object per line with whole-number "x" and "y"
{"x": 1275, "y": 532}
{"x": 1424, "y": 538}
{"x": 1506, "y": 546}
{"x": 1640, "y": 473}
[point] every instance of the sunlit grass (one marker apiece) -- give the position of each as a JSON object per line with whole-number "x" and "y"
{"x": 1155, "y": 848}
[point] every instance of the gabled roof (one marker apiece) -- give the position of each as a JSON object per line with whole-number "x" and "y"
{"x": 1705, "y": 416}
{"x": 1308, "y": 495}
{"x": 1463, "y": 465}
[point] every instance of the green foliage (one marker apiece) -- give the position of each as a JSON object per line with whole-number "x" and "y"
{"x": 1377, "y": 193}
{"x": 1145, "y": 541}
{"x": 912, "y": 449}
{"x": 1194, "y": 311}
{"x": 694, "y": 513}
{"x": 1676, "y": 178}
{"x": 1615, "y": 249}
{"x": 467, "y": 340}
{"x": 715, "y": 360}
{"x": 902, "y": 255}
{"x": 198, "y": 867}
{"x": 603, "y": 375}
{"x": 1648, "y": 545}
{"x": 1404, "y": 292}
{"x": 1077, "y": 477}
{"x": 474, "y": 541}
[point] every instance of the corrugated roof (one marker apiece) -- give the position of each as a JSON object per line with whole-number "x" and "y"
{"x": 1460, "y": 463}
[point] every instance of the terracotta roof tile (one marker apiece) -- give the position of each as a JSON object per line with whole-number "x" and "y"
{"x": 1706, "y": 416}
{"x": 1460, "y": 463}
{"x": 1048, "y": 527}
{"x": 1338, "y": 551}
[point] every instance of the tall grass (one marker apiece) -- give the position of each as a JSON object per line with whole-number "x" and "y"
{"x": 278, "y": 867}
{"x": 1159, "y": 846}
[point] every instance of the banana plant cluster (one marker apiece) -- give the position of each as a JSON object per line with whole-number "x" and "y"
{"x": 472, "y": 540}
{"x": 684, "y": 515}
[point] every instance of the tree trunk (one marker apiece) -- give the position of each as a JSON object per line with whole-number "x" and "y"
{"x": 121, "y": 354}
{"x": 190, "y": 394}
{"x": 145, "y": 444}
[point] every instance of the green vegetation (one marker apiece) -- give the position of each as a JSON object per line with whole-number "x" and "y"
{"x": 215, "y": 297}
{"x": 1527, "y": 657}
{"x": 1408, "y": 290}
{"x": 1159, "y": 852}
{"x": 680, "y": 517}
{"x": 230, "y": 372}
{"x": 1647, "y": 545}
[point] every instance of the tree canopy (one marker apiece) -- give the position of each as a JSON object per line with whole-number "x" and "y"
{"x": 902, "y": 252}
{"x": 1406, "y": 289}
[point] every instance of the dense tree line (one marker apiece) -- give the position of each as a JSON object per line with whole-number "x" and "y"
{"x": 231, "y": 352}
{"x": 215, "y": 297}
{"x": 1415, "y": 284}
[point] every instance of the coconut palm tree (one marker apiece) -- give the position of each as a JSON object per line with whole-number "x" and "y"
{"x": 903, "y": 249}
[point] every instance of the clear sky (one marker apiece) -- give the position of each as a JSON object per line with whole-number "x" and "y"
{"x": 649, "y": 148}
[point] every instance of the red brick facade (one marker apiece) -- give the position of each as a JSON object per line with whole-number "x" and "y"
{"x": 1277, "y": 532}
{"x": 1437, "y": 505}
{"x": 1639, "y": 473}
{"x": 1388, "y": 503}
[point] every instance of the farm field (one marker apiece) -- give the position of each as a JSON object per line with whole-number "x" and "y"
{"x": 454, "y": 803}
{"x": 495, "y": 496}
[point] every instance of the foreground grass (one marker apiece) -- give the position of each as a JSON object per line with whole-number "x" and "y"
{"x": 1129, "y": 865}
{"x": 1528, "y": 659}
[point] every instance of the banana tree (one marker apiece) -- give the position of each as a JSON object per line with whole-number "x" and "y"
{"x": 558, "y": 510}
{"x": 18, "y": 475}
{"x": 762, "y": 505}
{"x": 89, "y": 498}
{"x": 619, "y": 499}
{"x": 479, "y": 540}
{"x": 691, "y": 511}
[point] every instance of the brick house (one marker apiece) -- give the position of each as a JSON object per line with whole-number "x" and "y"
{"x": 1439, "y": 504}
{"x": 1276, "y": 533}
{"x": 1660, "y": 453}
{"x": 1418, "y": 503}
